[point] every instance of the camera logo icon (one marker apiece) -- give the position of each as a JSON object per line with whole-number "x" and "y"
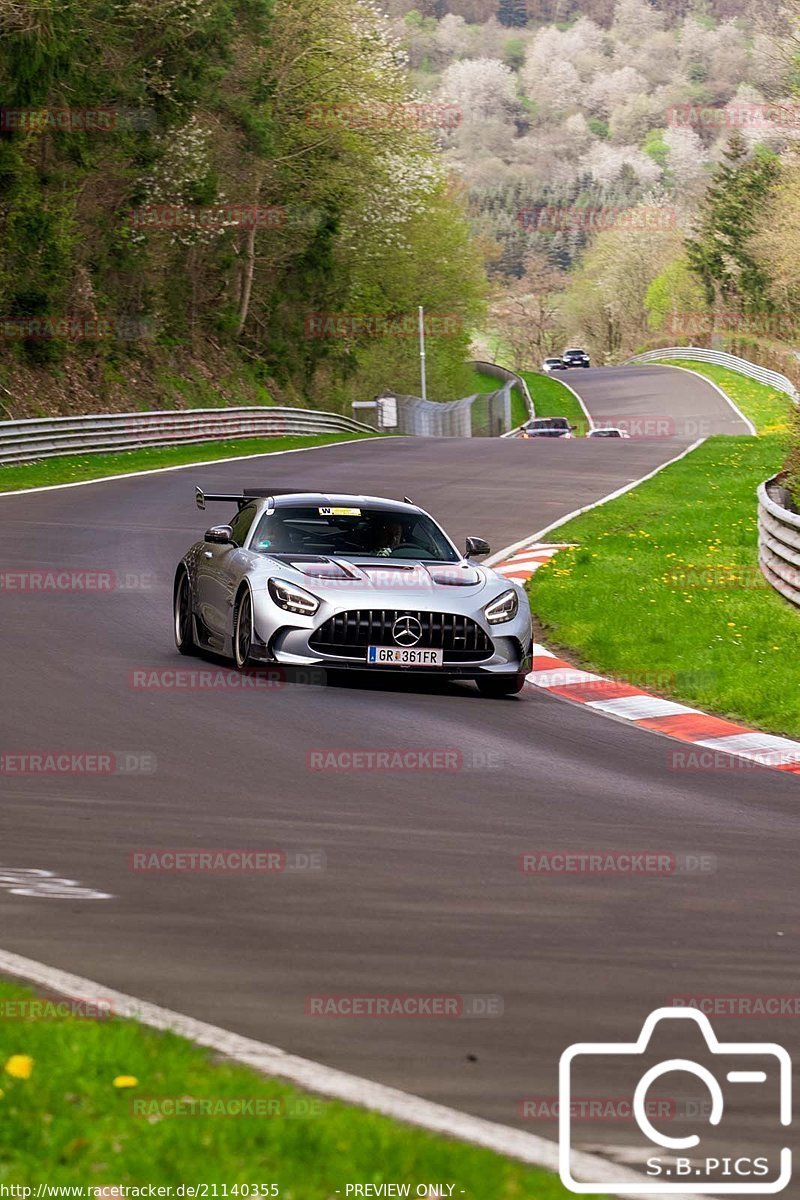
{"x": 735, "y": 1079}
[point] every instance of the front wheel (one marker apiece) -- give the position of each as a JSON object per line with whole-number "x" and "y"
{"x": 495, "y": 686}
{"x": 243, "y": 630}
{"x": 184, "y": 625}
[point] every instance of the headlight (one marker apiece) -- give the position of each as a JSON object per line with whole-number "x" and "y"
{"x": 292, "y": 598}
{"x": 504, "y": 608}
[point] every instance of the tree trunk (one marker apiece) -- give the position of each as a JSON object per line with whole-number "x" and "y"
{"x": 247, "y": 280}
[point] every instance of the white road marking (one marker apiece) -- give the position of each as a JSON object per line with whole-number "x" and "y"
{"x": 327, "y": 1081}
{"x": 206, "y": 462}
{"x": 699, "y": 375}
{"x": 639, "y": 708}
{"x": 765, "y": 747}
{"x": 32, "y": 881}
{"x": 525, "y": 543}
{"x": 579, "y": 398}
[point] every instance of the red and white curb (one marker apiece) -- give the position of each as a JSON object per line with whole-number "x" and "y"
{"x": 521, "y": 566}
{"x": 717, "y": 739}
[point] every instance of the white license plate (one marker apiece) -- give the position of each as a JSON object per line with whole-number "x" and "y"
{"x": 400, "y": 656}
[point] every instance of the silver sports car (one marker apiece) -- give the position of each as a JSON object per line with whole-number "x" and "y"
{"x": 338, "y": 581}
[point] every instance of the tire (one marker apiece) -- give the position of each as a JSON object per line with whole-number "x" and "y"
{"x": 182, "y": 613}
{"x": 495, "y": 686}
{"x": 243, "y": 630}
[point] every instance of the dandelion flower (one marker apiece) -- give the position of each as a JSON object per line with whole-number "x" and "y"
{"x": 126, "y": 1081}
{"x": 19, "y": 1066}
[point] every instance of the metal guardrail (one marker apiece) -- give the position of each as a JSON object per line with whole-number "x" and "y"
{"x": 722, "y": 359}
{"x": 512, "y": 380}
{"x": 779, "y": 540}
{"x": 778, "y": 525}
{"x": 483, "y": 414}
{"x": 22, "y": 441}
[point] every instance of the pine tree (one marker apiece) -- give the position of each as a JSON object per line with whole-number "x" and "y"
{"x": 718, "y": 253}
{"x": 512, "y": 13}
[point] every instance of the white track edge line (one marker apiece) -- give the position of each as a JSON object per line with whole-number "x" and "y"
{"x": 628, "y": 487}
{"x": 205, "y": 462}
{"x": 316, "y": 1077}
{"x": 580, "y": 400}
{"x": 716, "y": 386}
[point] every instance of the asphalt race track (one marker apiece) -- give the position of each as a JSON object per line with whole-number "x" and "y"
{"x": 422, "y": 891}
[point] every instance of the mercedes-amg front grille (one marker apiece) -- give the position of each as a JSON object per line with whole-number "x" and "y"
{"x": 349, "y": 633}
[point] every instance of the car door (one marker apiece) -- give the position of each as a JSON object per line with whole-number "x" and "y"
{"x": 220, "y": 572}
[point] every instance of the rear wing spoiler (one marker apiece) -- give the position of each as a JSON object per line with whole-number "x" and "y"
{"x": 244, "y": 497}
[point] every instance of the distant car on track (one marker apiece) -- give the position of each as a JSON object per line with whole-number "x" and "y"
{"x": 608, "y": 432}
{"x": 576, "y": 357}
{"x": 349, "y": 582}
{"x": 553, "y": 364}
{"x": 548, "y": 427}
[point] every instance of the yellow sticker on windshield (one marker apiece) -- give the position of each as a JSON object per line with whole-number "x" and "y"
{"x": 340, "y": 512}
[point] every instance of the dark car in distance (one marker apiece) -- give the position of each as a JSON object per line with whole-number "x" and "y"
{"x": 550, "y": 427}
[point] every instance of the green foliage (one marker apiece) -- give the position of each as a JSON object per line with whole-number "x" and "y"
{"x": 598, "y": 127}
{"x": 675, "y": 290}
{"x": 655, "y": 146}
{"x": 213, "y": 104}
{"x": 514, "y": 52}
{"x": 719, "y": 253}
{"x": 695, "y": 606}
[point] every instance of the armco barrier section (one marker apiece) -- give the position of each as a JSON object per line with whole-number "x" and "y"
{"x": 22, "y": 441}
{"x": 779, "y": 540}
{"x": 511, "y": 379}
{"x": 484, "y": 414}
{"x": 721, "y": 359}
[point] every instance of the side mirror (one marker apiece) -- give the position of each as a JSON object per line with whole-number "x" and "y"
{"x": 476, "y": 546}
{"x": 219, "y": 535}
{"x": 573, "y": 427}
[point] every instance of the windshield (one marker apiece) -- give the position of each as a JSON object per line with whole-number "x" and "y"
{"x": 352, "y": 532}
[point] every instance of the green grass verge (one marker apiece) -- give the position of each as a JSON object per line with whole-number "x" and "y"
{"x": 70, "y": 468}
{"x": 767, "y": 408}
{"x": 68, "y": 1123}
{"x": 552, "y": 399}
{"x": 664, "y": 586}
